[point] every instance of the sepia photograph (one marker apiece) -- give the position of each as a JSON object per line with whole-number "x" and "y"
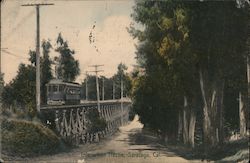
{"x": 124, "y": 81}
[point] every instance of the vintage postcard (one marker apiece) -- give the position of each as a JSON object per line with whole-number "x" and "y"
{"x": 124, "y": 81}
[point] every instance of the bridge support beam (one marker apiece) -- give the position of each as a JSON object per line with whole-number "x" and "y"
{"x": 71, "y": 122}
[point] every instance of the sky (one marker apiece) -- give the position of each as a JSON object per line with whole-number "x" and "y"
{"x": 75, "y": 20}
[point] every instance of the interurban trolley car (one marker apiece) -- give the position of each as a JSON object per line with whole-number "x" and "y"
{"x": 62, "y": 93}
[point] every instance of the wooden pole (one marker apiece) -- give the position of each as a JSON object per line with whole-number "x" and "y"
{"x": 103, "y": 88}
{"x": 122, "y": 98}
{"x": 86, "y": 87}
{"x": 38, "y": 95}
{"x": 38, "y": 98}
{"x": 0, "y": 38}
{"x": 97, "y": 86}
{"x": 248, "y": 87}
{"x": 97, "y": 90}
{"x": 113, "y": 88}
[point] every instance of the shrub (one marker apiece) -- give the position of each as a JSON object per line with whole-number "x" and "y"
{"x": 96, "y": 122}
{"x": 21, "y": 137}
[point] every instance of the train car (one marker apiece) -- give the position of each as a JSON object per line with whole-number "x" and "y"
{"x": 62, "y": 93}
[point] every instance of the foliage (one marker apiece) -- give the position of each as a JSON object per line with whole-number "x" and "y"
{"x": 68, "y": 68}
{"x": 108, "y": 85}
{"x": 1, "y": 90}
{"x": 20, "y": 90}
{"x": 21, "y": 137}
{"x": 91, "y": 83}
{"x": 127, "y": 84}
{"x": 46, "y": 70}
{"x": 96, "y": 122}
{"x": 159, "y": 93}
{"x": 180, "y": 41}
{"x": 45, "y": 67}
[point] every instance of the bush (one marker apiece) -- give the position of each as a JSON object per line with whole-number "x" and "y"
{"x": 96, "y": 122}
{"x": 21, "y": 137}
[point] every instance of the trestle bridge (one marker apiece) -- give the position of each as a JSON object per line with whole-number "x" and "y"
{"x": 72, "y": 123}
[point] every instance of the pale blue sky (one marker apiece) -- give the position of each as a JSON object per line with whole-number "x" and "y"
{"x": 74, "y": 19}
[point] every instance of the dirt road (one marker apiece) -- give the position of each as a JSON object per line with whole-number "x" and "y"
{"x": 128, "y": 145}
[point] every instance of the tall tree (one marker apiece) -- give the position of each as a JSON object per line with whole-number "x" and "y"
{"x": 118, "y": 77}
{"x": 68, "y": 68}
{"x": 165, "y": 37}
{"x": 1, "y": 90}
{"x": 20, "y": 91}
{"x": 202, "y": 37}
{"x": 92, "y": 87}
{"x": 46, "y": 70}
{"x": 217, "y": 42}
{"x": 109, "y": 84}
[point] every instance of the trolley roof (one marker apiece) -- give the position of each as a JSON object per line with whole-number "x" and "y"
{"x": 61, "y": 82}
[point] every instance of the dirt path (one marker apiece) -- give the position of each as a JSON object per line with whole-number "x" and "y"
{"x": 129, "y": 145}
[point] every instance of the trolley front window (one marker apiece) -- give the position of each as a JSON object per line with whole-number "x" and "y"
{"x": 49, "y": 88}
{"x": 61, "y": 88}
{"x": 55, "y": 88}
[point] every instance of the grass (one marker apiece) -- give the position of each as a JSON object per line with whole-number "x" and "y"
{"x": 234, "y": 151}
{"x": 229, "y": 152}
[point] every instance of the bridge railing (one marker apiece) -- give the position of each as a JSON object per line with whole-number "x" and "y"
{"x": 72, "y": 123}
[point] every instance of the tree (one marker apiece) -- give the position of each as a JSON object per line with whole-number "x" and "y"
{"x": 46, "y": 70}
{"x": 201, "y": 37}
{"x": 165, "y": 38}
{"x": 217, "y": 47}
{"x": 45, "y": 67}
{"x": 109, "y": 84}
{"x": 1, "y": 90}
{"x": 92, "y": 87}
{"x": 127, "y": 84}
{"x": 21, "y": 90}
{"x": 68, "y": 68}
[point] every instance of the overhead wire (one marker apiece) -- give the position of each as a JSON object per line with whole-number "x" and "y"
{"x": 19, "y": 24}
{"x": 12, "y": 54}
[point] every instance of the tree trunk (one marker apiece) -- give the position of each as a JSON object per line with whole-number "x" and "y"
{"x": 185, "y": 121}
{"x": 220, "y": 108}
{"x": 210, "y": 129}
{"x": 192, "y": 127}
{"x": 189, "y": 119}
{"x": 248, "y": 87}
{"x": 242, "y": 116}
{"x": 179, "y": 126}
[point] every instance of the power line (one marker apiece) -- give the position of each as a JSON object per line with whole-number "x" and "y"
{"x": 20, "y": 23}
{"x": 12, "y": 54}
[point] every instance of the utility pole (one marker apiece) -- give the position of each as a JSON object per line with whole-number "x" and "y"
{"x": 38, "y": 98}
{"x": 86, "y": 86}
{"x": 122, "y": 97}
{"x": 1, "y": 84}
{"x": 103, "y": 89}
{"x": 113, "y": 88}
{"x": 248, "y": 69}
{"x": 97, "y": 85}
{"x": 0, "y": 37}
{"x": 248, "y": 77}
{"x": 248, "y": 84}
